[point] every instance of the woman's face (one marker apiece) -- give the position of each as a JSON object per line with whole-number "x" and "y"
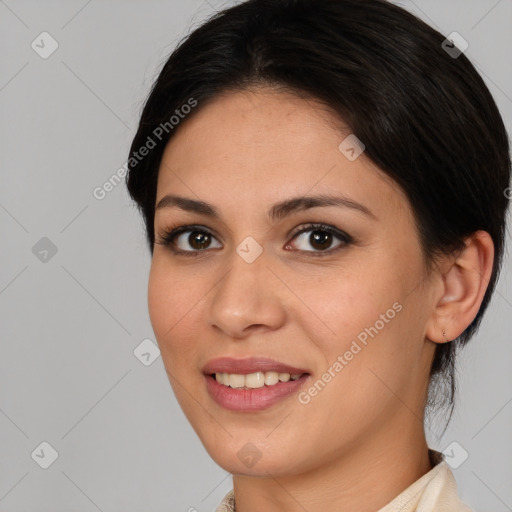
{"x": 258, "y": 291}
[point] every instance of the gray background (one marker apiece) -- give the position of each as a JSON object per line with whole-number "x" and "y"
{"x": 70, "y": 323}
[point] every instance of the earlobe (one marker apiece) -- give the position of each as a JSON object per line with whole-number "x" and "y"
{"x": 462, "y": 289}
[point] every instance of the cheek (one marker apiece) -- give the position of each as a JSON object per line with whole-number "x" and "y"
{"x": 172, "y": 303}
{"x": 161, "y": 301}
{"x": 173, "y": 311}
{"x": 347, "y": 300}
{"x": 366, "y": 315}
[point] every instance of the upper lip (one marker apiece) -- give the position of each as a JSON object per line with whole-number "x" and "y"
{"x": 249, "y": 365}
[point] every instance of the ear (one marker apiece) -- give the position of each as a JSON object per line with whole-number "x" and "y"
{"x": 462, "y": 284}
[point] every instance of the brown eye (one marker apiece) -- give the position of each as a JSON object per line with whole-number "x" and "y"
{"x": 320, "y": 239}
{"x": 199, "y": 240}
{"x": 191, "y": 240}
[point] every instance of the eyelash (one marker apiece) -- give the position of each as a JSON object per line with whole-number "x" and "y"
{"x": 167, "y": 238}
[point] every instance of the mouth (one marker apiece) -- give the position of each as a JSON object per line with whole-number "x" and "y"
{"x": 251, "y": 384}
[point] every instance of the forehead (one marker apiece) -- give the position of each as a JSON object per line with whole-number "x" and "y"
{"x": 267, "y": 144}
{"x": 254, "y": 128}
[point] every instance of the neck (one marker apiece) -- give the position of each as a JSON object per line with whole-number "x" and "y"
{"x": 365, "y": 479}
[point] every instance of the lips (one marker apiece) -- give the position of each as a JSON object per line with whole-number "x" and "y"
{"x": 249, "y": 365}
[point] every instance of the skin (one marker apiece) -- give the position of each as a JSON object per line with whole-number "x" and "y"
{"x": 360, "y": 441}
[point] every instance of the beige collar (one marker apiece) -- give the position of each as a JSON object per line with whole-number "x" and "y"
{"x": 434, "y": 491}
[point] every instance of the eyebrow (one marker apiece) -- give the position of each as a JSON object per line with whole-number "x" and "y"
{"x": 276, "y": 212}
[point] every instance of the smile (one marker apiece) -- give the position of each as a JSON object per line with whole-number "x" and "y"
{"x": 251, "y": 384}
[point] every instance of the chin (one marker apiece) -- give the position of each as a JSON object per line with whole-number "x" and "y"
{"x": 254, "y": 465}
{"x": 258, "y": 458}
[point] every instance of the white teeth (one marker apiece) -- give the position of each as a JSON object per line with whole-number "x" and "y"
{"x": 254, "y": 380}
{"x": 271, "y": 378}
{"x": 234, "y": 380}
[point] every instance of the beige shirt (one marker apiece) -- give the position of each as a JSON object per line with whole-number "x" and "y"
{"x": 435, "y": 491}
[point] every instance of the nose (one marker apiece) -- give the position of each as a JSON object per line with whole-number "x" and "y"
{"x": 248, "y": 298}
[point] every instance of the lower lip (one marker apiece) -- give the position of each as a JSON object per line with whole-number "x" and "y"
{"x": 246, "y": 400}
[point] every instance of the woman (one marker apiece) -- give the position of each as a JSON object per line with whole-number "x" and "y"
{"x": 324, "y": 187}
